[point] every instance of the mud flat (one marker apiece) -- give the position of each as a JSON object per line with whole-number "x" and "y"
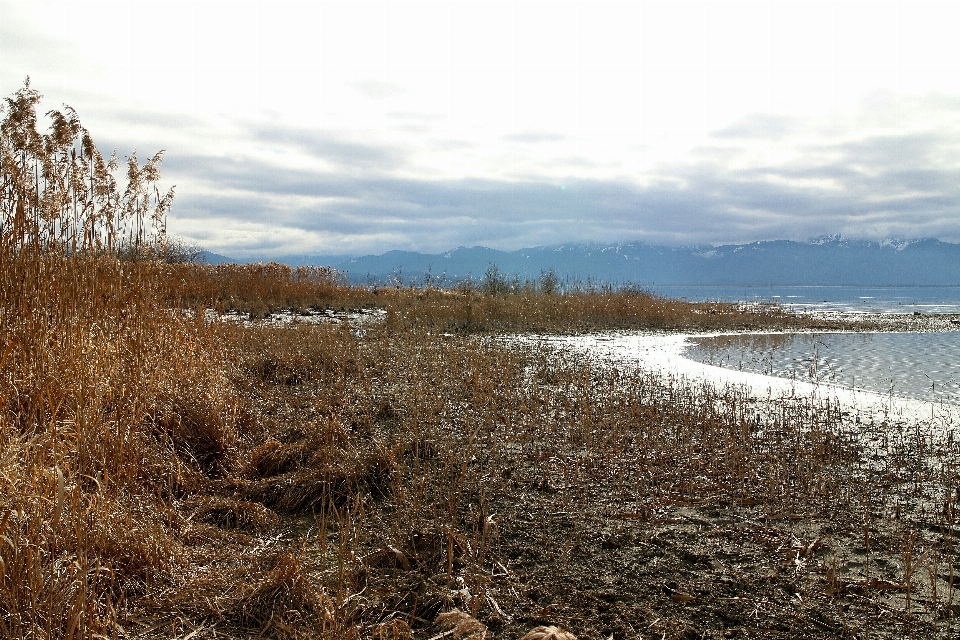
{"x": 849, "y": 530}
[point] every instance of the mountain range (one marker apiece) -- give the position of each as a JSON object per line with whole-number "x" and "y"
{"x": 826, "y": 261}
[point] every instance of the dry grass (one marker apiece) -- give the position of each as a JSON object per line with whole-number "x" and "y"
{"x": 260, "y": 289}
{"x": 467, "y": 310}
{"x": 548, "y": 633}
{"x": 458, "y": 624}
{"x": 165, "y": 474}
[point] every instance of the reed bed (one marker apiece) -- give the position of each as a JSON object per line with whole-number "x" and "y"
{"x": 467, "y": 310}
{"x": 166, "y": 474}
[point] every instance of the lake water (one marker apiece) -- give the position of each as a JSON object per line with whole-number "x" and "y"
{"x": 922, "y": 366}
{"x": 825, "y": 298}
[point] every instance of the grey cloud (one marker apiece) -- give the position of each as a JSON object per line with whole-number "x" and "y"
{"x": 579, "y": 162}
{"x": 338, "y": 149}
{"x": 164, "y": 120}
{"x": 341, "y": 205}
{"x": 436, "y": 214}
{"x": 889, "y": 184}
{"x": 450, "y": 145}
{"x": 911, "y": 150}
{"x": 415, "y": 121}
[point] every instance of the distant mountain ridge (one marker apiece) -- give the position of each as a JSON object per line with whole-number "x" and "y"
{"x": 824, "y": 261}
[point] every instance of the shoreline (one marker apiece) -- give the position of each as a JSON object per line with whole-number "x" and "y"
{"x": 878, "y": 321}
{"x": 662, "y": 354}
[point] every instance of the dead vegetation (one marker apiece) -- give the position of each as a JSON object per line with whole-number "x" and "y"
{"x": 165, "y": 474}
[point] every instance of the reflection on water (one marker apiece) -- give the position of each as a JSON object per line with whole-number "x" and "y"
{"x": 924, "y": 366}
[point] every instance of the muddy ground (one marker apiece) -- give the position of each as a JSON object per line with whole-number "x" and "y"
{"x": 575, "y": 555}
{"x": 863, "y": 548}
{"x": 528, "y": 486}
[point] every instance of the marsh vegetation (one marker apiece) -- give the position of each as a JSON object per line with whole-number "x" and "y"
{"x": 164, "y": 473}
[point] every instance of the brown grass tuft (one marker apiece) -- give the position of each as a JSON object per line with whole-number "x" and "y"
{"x": 462, "y": 625}
{"x": 273, "y": 458}
{"x": 228, "y": 513}
{"x": 548, "y": 633}
{"x": 287, "y": 595}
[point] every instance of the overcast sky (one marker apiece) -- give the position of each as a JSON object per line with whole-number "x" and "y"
{"x": 363, "y": 127}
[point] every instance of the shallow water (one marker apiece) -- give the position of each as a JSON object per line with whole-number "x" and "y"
{"x": 925, "y": 299}
{"x": 922, "y": 366}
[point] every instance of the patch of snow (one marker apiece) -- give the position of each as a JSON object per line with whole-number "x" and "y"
{"x": 896, "y": 243}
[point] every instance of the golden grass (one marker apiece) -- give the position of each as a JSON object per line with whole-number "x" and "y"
{"x": 458, "y": 624}
{"x": 258, "y": 289}
{"x": 466, "y": 309}
{"x": 548, "y": 633}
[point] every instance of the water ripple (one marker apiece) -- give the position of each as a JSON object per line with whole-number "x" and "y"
{"x": 922, "y": 366}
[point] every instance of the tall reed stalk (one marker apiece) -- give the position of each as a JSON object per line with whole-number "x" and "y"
{"x": 98, "y": 383}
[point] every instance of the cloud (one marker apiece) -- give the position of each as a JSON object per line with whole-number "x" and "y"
{"x": 376, "y": 90}
{"x": 417, "y": 213}
{"x": 757, "y": 126}
{"x": 876, "y": 184}
{"x": 157, "y": 119}
{"x": 533, "y": 137}
{"x": 336, "y": 149}
{"x": 416, "y": 122}
{"x": 504, "y": 149}
{"x": 27, "y": 50}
